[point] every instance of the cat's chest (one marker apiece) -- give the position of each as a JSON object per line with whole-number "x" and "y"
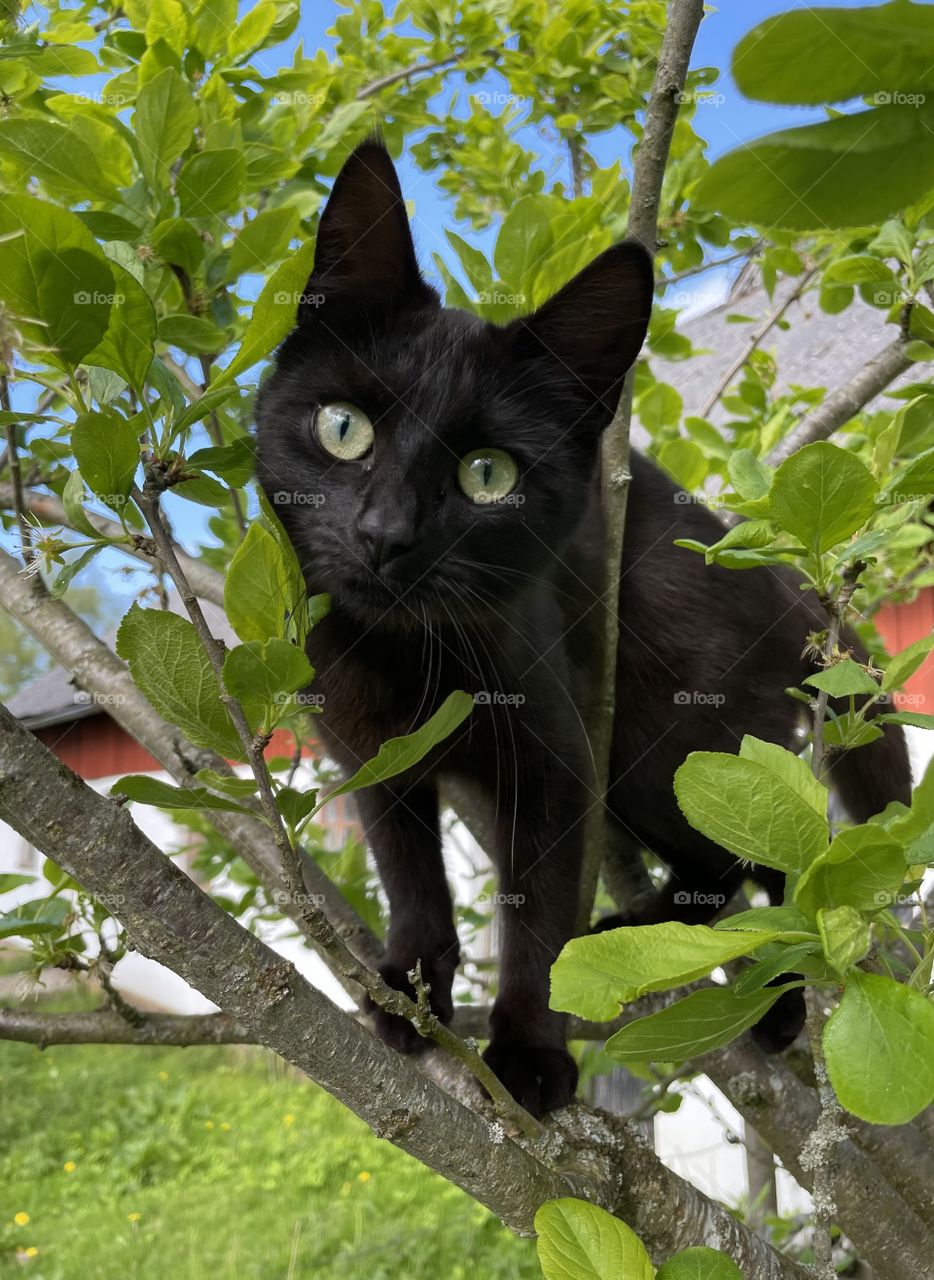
{"x": 371, "y": 686}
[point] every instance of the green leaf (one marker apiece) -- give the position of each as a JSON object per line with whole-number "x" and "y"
{"x": 581, "y": 1241}
{"x": 809, "y": 56}
{"x": 822, "y": 494}
{"x": 396, "y": 755}
{"x": 13, "y": 880}
{"x": 145, "y": 789}
{"x": 476, "y": 268}
{"x": 769, "y": 919}
{"x": 165, "y": 119}
{"x": 60, "y": 156}
{"x": 700, "y": 1263}
{"x": 845, "y": 937}
{"x": 177, "y": 241}
{"x": 228, "y": 785}
{"x": 523, "y": 242}
{"x": 73, "y": 496}
{"x": 263, "y": 675}
{"x": 748, "y": 809}
{"x": 864, "y": 867}
{"x": 233, "y": 462}
{"x": 915, "y": 719}
{"x": 750, "y": 477}
{"x": 128, "y": 343}
{"x": 211, "y": 182}
{"x": 262, "y": 241}
{"x": 192, "y": 334}
{"x": 170, "y": 666}
{"x": 879, "y": 1046}
{"x": 916, "y": 480}
{"x": 106, "y": 449}
{"x": 53, "y": 277}
{"x": 702, "y": 1021}
{"x": 17, "y": 926}
{"x": 274, "y": 313}
{"x": 790, "y": 768}
{"x": 593, "y": 976}
{"x": 843, "y": 679}
{"x": 71, "y": 570}
{"x": 849, "y": 171}
{"x": 256, "y": 588}
{"x": 295, "y": 806}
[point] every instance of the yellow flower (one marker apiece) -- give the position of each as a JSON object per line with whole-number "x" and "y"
{"x": 288, "y": 1119}
{"x": 69, "y": 1166}
{"x": 21, "y": 1219}
{"x": 209, "y": 1124}
{"x": 225, "y": 1126}
{"x": 133, "y": 1217}
{"x": 363, "y": 1176}
{"x": 163, "y": 1075}
{"x": 31, "y": 1251}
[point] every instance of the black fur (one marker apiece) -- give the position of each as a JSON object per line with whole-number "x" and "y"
{"x": 432, "y": 593}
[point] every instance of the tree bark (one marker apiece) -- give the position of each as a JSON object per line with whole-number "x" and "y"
{"x": 171, "y": 920}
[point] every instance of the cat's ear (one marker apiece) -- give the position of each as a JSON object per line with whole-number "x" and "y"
{"x": 592, "y": 329}
{"x": 364, "y": 252}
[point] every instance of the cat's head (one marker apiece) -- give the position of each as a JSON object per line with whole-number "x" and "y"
{"x": 419, "y": 457}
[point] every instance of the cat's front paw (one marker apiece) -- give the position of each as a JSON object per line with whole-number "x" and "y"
{"x": 399, "y": 1032}
{"x": 540, "y": 1077}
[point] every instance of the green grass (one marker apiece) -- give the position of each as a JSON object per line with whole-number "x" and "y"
{"x": 204, "y": 1164}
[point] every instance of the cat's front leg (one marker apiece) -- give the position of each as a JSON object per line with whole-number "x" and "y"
{"x": 402, "y": 830}
{"x": 539, "y": 887}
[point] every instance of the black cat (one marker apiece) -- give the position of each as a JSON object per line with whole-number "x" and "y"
{"x": 439, "y": 477}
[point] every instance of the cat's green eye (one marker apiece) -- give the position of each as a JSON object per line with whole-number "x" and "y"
{"x": 344, "y": 430}
{"x": 487, "y": 475}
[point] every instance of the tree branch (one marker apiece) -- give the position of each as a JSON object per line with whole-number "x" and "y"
{"x": 684, "y": 17}
{"x": 171, "y": 920}
{"x": 785, "y": 1112}
{"x": 761, "y": 331}
{"x": 844, "y": 403}
{"x": 207, "y": 582}
{"x": 95, "y": 668}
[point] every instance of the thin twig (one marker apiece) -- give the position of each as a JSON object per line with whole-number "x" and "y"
{"x": 16, "y": 475}
{"x": 684, "y": 18}
{"x": 758, "y": 334}
{"x": 311, "y": 918}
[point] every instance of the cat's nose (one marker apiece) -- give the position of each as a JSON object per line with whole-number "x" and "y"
{"x": 385, "y": 540}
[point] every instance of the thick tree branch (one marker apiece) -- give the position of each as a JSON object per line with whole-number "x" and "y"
{"x": 96, "y": 669}
{"x": 683, "y": 19}
{"x": 844, "y": 403}
{"x": 785, "y": 1112}
{"x": 171, "y": 920}
{"x": 107, "y": 1027}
